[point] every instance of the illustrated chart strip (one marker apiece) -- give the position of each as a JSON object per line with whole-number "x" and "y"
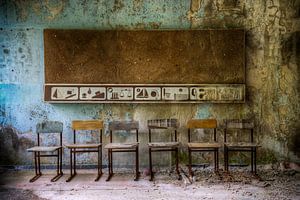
{"x": 160, "y": 93}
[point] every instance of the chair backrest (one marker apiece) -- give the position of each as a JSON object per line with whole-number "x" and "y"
{"x": 49, "y": 127}
{"x": 87, "y": 124}
{"x": 202, "y": 124}
{"x": 123, "y": 126}
{"x": 163, "y": 124}
{"x": 245, "y": 125}
{"x": 81, "y": 125}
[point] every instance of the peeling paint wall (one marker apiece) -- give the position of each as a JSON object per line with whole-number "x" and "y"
{"x": 272, "y": 65}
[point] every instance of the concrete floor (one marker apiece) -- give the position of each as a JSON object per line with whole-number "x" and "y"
{"x": 239, "y": 184}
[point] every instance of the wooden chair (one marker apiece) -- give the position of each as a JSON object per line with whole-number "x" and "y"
{"x": 211, "y": 146}
{"x": 172, "y": 146}
{"x": 243, "y": 126}
{"x": 43, "y": 128}
{"x": 113, "y": 147}
{"x": 85, "y": 125}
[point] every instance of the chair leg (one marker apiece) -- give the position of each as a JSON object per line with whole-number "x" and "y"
{"x": 99, "y": 171}
{"x": 150, "y": 165}
{"x": 137, "y": 173}
{"x": 111, "y": 162}
{"x": 71, "y": 166}
{"x": 58, "y": 159}
{"x": 252, "y": 157}
{"x": 39, "y": 163}
{"x": 226, "y": 159}
{"x": 255, "y": 160}
{"x": 61, "y": 152}
{"x": 37, "y": 175}
{"x": 217, "y": 157}
{"x": 190, "y": 162}
{"x": 100, "y": 151}
{"x": 177, "y": 164}
{"x": 35, "y": 163}
{"x": 110, "y": 170}
{"x": 215, "y": 160}
{"x": 74, "y": 160}
{"x": 58, "y": 174}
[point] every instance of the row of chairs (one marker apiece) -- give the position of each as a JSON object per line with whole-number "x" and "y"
{"x": 133, "y": 127}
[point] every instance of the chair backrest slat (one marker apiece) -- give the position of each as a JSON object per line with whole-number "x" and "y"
{"x": 123, "y": 125}
{"x": 239, "y": 124}
{"x": 49, "y": 127}
{"x": 202, "y": 123}
{"x": 87, "y": 124}
{"x": 163, "y": 123}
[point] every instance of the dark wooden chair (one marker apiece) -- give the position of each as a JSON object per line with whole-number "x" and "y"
{"x": 172, "y": 146}
{"x": 114, "y": 147}
{"x": 49, "y": 127}
{"x": 85, "y": 125}
{"x": 210, "y": 146}
{"x": 241, "y": 126}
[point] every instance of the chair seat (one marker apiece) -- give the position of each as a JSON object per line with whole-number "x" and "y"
{"x": 121, "y": 145}
{"x": 163, "y": 144}
{"x": 241, "y": 145}
{"x": 204, "y": 145}
{"x": 83, "y": 146}
{"x": 43, "y": 148}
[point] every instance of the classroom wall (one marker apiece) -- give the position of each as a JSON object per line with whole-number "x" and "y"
{"x": 272, "y": 71}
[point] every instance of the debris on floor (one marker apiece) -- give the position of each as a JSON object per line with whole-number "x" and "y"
{"x": 239, "y": 183}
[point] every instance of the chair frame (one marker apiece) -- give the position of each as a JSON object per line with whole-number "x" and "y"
{"x": 165, "y": 126}
{"x": 244, "y": 126}
{"x": 123, "y": 126}
{"x": 38, "y": 155}
{"x": 85, "y": 125}
{"x": 203, "y": 124}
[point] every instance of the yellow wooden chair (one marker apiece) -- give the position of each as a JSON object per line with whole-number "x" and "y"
{"x": 85, "y": 125}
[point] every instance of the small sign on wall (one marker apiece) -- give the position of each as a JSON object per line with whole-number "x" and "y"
{"x": 137, "y": 93}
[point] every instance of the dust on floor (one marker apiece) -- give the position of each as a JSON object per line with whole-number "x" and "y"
{"x": 238, "y": 184}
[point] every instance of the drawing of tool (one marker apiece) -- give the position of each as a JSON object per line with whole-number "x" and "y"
{"x": 129, "y": 93}
{"x": 153, "y": 93}
{"x": 143, "y": 93}
{"x": 98, "y": 94}
{"x": 122, "y": 93}
{"x": 70, "y": 96}
{"x": 115, "y": 95}
{"x": 194, "y": 92}
{"x": 55, "y": 94}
